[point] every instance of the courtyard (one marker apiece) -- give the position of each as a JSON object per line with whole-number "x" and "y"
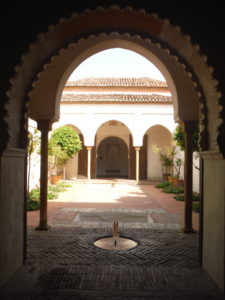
{"x": 64, "y": 263}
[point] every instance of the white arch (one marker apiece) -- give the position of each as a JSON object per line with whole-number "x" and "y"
{"x": 90, "y": 133}
{"x": 136, "y": 45}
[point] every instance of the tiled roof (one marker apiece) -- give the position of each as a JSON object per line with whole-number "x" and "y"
{"x": 118, "y": 82}
{"x": 115, "y": 98}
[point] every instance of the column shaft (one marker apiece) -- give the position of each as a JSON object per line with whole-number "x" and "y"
{"x": 189, "y": 127}
{"x": 44, "y": 126}
{"x": 137, "y": 150}
{"x": 89, "y": 162}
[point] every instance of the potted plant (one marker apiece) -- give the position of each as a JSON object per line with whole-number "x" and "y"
{"x": 166, "y": 161}
{"x": 176, "y": 178}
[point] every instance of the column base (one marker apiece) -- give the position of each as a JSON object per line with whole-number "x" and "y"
{"x": 43, "y": 227}
{"x": 188, "y": 230}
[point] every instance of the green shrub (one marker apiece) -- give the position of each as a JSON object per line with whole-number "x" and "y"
{"x": 195, "y": 197}
{"x": 163, "y": 184}
{"x": 56, "y": 188}
{"x": 173, "y": 190}
{"x": 179, "y": 197}
{"x": 53, "y": 190}
{"x": 196, "y": 206}
{"x": 32, "y": 205}
{"x": 34, "y": 194}
{"x": 64, "y": 184}
{"x": 52, "y": 195}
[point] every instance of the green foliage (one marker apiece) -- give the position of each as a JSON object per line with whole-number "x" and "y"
{"x": 34, "y": 194}
{"x": 64, "y": 184}
{"x": 179, "y": 197}
{"x": 173, "y": 190}
{"x": 163, "y": 184}
{"x": 55, "y": 188}
{"x": 196, "y": 206}
{"x": 180, "y": 138}
{"x": 52, "y": 195}
{"x": 33, "y": 141}
{"x": 195, "y": 197}
{"x": 166, "y": 158}
{"x": 66, "y": 139}
{"x": 33, "y": 202}
{"x": 32, "y": 205}
{"x": 59, "y": 157}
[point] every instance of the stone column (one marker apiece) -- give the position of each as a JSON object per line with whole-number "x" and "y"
{"x": 89, "y": 162}
{"x": 189, "y": 128}
{"x": 44, "y": 126}
{"x": 137, "y": 150}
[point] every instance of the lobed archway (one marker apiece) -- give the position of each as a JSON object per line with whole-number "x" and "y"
{"x": 57, "y": 52}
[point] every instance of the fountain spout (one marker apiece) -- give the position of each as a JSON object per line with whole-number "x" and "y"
{"x": 115, "y": 229}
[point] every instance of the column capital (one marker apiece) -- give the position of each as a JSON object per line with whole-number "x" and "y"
{"x": 89, "y": 147}
{"x": 137, "y": 148}
{"x": 44, "y": 125}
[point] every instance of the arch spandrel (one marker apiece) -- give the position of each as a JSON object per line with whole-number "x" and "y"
{"x": 103, "y": 20}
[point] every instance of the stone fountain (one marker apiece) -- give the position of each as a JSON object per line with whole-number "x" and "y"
{"x": 115, "y": 242}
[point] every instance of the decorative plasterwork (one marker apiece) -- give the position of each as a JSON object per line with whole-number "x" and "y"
{"x": 177, "y": 79}
{"x": 127, "y": 20}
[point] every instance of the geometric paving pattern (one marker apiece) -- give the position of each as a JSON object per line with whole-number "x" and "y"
{"x": 76, "y": 247}
{"x": 88, "y": 218}
{"x": 63, "y": 263}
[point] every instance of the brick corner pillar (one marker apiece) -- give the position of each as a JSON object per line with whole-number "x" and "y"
{"x": 44, "y": 126}
{"x": 189, "y": 128}
{"x": 137, "y": 150}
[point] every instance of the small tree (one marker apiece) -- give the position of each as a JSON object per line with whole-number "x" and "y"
{"x": 64, "y": 143}
{"x": 179, "y": 138}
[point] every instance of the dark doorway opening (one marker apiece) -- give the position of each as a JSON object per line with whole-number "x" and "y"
{"x": 112, "y": 158}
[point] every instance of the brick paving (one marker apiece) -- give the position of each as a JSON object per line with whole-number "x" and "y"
{"x": 122, "y": 194}
{"x": 63, "y": 263}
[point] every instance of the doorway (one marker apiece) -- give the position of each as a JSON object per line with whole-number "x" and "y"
{"x": 112, "y": 158}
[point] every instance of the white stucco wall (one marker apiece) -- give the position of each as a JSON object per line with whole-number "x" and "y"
{"x": 109, "y": 130}
{"x": 195, "y": 174}
{"x": 34, "y": 176}
{"x": 137, "y": 117}
{"x": 161, "y": 137}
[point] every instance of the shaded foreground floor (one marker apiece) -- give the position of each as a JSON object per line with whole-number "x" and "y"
{"x": 63, "y": 263}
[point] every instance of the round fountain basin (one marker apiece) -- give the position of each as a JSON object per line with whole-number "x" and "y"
{"x": 115, "y": 243}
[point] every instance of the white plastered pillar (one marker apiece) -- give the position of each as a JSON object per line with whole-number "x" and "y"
{"x": 137, "y": 153}
{"x": 89, "y": 148}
